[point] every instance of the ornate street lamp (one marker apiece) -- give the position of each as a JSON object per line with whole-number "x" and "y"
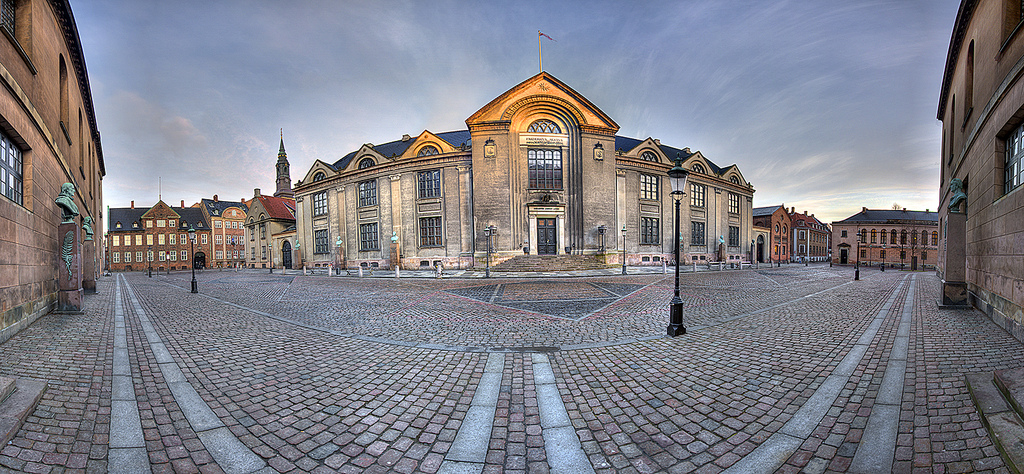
{"x": 337, "y": 256}
{"x": 856, "y": 266}
{"x": 677, "y": 178}
{"x": 489, "y": 231}
{"x": 624, "y": 248}
{"x": 192, "y": 246}
{"x": 601, "y": 229}
{"x": 883, "y": 257}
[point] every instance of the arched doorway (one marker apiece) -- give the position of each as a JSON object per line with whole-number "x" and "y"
{"x": 199, "y": 261}
{"x": 286, "y": 255}
{"x": 760, "y": 248}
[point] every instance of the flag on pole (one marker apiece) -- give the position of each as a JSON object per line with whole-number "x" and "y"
{"x": 539, "y": 34}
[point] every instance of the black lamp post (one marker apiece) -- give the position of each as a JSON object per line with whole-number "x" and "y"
{"x": 883, "y": 257}
{"x": 677, "y": 177}
{"x": 337, "y": 245}
{"x": 192, "y": 246}
{"x": 600, "y": 231}
{"x": 624, "y": 248}
{"x": 856, "y": 265}
{"x": 149, "y": 260}
{"x": 270, "y": 252}
{"x": 489, "y": 232}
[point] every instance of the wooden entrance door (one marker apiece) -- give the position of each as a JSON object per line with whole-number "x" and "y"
{"x": 844, "y": 256}
{"x": 547, "y": 237}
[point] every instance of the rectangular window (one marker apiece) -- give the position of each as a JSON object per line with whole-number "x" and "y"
{"x": 216, "y": 224}
{"x": 734, "y": 236}
{"x": 320, "y": 203}
{"x": 698, "y": 195}
{"x": 263, "y": 251}
{"x": 843, "y": 234}
{"x": 263, "y": 231}
{"x": 1014, "y": 165}
{"x": 138, "y": 256}
{"x": 172, "y": 256}
{"x": 429, "y": 184}
{"x": 218, "y": 240}
{"x": 883, "y": 254}
{"x": 173, "y": 238}
{"x": 138, "y": 240}
{"x": 161, "y": 223}
{"x": 149, "y": 239}
{"x": 924, "y": 255}
{"x": 170, "y": 223}
{"x": 545, "y": 168}
{"x": 321, "y": 244}
{"x": 368, "y": 193}
{"x": 430, "y": 232}
{"x": 162, "y": 255}
{"x": 649, "y": 230}
{"x": 127, "y": 257}
{"x": 734, "y": 203}
{"x": 7, "y": 15}
{"x": 648, "y": 187}
{"x": 149, "y": 224}
{"x": 116, "y": 241}
{"x": 697, "y": 236}
{"x": 184, "y": 256}
{"x": 204, "y": 239}
{"x": 160, "y": 239}
{"x": 219, "y": 255}
{"x": 11, "y": 177}
{"x": 115, "y": 257}
{"x": 368, "y": 239}
{"x": 863, "y": 253}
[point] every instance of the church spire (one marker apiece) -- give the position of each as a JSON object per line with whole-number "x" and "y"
{"x": 284, "y": 180}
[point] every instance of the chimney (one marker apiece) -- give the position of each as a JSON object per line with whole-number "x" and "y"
{"x": 657, "y": 141}
{"x": 133, "y": 204}
{"x": 215, "y": 198}
{"x": 792, "y": 210}
{"x": 904, "y": 209}
{"x": 182, "y": 203}
{"x": 685, "y": 150}
{"x": 256, "y": 192}
{"x": 864, "y": 209}
{"x": 926, "y": 209}
{"x": 406, "y": 137}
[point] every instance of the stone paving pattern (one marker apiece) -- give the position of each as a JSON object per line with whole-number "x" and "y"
{"x": 330, "y": 383}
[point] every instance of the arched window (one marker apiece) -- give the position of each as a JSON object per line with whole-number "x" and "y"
{"x": 698, "y": 168}
{"x": 648, "y": 156}
{"x": 319, "y": 176}
{"x": 874, "y": 236}
{"x": 543, "y": 126}
{"x": 935, "y": 238}
{"x": 884, "y": 235}
{"x": 924, "y": 237}
{"x": 892, "y": 236}
{"x": 366, "y": 163}
{"x": 903, "y": 237}
{"x": 734, "y": 180}
{"x": 863, "y": 235}
{"x": 428, "y": 150}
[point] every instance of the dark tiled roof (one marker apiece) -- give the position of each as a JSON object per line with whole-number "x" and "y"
{"x": 127, "y": 216}
{"x": 216, "y": 208}
{"x": 397, "y": 147}
{"x": 891, "y": 215}
{"x": 765, "y": 211}
{"x": 626, "y": 144}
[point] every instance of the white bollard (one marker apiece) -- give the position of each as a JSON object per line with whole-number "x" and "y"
{"x": 360, "y": 271}
{"x": 664, "y": 267}
{"x": 398, "y": 272}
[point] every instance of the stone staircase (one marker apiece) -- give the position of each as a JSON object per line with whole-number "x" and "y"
{"x": 18, "y": 398}
{"x": 999, "y": 397}
{"x": 551, "y": 263}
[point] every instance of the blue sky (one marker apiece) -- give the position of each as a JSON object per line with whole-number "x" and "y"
{"x": 825, "y": 105}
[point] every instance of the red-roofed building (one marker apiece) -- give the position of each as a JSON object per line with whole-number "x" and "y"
{"x": 809, "y": 236}
{"x": 270, "y": 223}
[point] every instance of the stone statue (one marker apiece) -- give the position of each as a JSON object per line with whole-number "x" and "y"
{"x": 956, "y": 187}
{"x": 66, "y": 202}
{"x": 394, "y": 237}
{"x": 87, "y": 227}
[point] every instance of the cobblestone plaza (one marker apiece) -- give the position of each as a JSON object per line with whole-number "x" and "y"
{"x": 791, "y": 369}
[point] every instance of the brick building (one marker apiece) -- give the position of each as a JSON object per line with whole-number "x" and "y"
{"x": 891, "y": 237}
{"x": 227, "y": 220}
{"x": 981, "y": 106}
{"x": 543, "y": 166}
{"x": 48, "y": 136}
{"x": 776, "y": 220}
{"x": 157, "y": 238}
{"x": 809, "y": 236}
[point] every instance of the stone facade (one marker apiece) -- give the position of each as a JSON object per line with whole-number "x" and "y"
{"x": 896, "y": 238}
{"x": 544, "y": 167}
{"x": 267, "y": 217}
{"x": 48, "y": 136}
{"x": 157, "y": 238}
{"x": 981, "y": 106}
{"x": 776, "y": 220}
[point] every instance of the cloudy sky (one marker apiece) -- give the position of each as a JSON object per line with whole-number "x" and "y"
{"x": 825, "y": 105}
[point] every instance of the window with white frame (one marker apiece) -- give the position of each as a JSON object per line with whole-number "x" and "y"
{"x": 698, "y": 195}
{"x": 127, "y": 257}
{"x": 734, "y": 203}
{"x": 184, "y": 256}
{"x": 1013, "y": 168}
{"x": 115, "y": 257}
{"x": 648, "y": 187}
{"x": 320, "y": 203}
{"x": 429, "y": 183}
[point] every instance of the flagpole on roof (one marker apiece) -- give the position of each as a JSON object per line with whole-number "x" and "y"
{"x": 540, "y": 55}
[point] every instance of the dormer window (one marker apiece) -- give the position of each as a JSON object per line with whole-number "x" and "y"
{"x": 366, "y": 163}
{"x": 648, "y": 156}
{"x": 428, "y": 151}
{"x": 117, "y": 226}
{"x": 698, "y": 168}
{"x": 319, "y": 176}
{"x": 734, "y": 180}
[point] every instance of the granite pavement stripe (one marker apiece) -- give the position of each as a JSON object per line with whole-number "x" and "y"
{"x": 126, "y": 441}
{"x": 561, "y": 443}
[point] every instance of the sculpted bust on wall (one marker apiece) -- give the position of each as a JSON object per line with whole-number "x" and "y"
{"x": 956, "y": 188}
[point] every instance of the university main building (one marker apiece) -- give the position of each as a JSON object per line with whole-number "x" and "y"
{"x": 543, "y": 168}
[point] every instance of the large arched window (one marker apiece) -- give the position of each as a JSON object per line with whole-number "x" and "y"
{"x": 366, "y": 163}
{"x": 649, "y": 156}
{"x": 428, "y": 150}
{"x": 543, "y": 126}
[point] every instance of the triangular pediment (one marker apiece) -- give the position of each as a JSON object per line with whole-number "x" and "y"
{"x": 318, "y": 172}
{"x": 646, "y": 148}
{"x": 160, "y": 210}
{"x": 255, "y": 211}
{"x": 366, "y": 152}
{"x": 547, "y": 90}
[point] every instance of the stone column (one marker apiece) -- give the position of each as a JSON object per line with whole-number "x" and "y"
{"x": 89, "y": 267}
{"x": 69, "y": 269}
{"x": 954, "y": 278}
